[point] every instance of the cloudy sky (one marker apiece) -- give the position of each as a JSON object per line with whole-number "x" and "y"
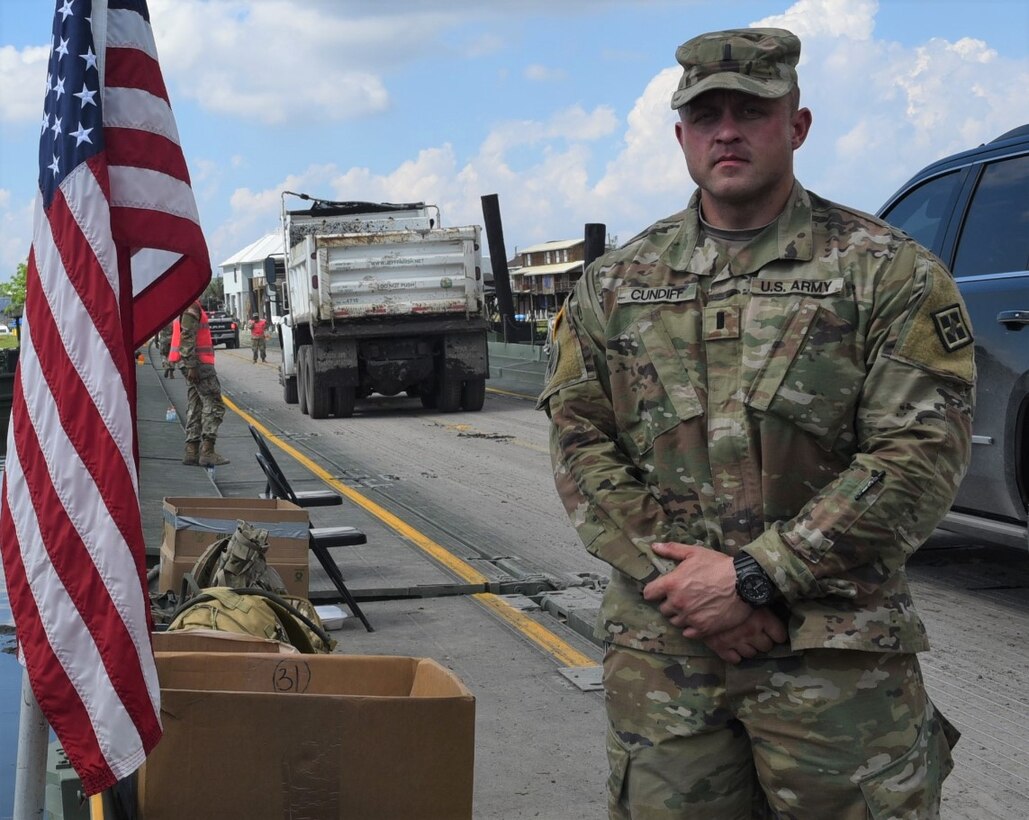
{"x": 560, "y": 107}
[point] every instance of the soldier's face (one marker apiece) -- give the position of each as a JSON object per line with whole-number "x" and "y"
{"x": 739, "y": 150}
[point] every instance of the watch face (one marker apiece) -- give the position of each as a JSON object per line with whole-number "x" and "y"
{"x": 756, "y": 589}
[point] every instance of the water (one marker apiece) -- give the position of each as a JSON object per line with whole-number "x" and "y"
{"x": 10, "y": 700}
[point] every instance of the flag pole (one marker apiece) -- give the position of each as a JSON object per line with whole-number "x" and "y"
{"x": 30, "y": 775}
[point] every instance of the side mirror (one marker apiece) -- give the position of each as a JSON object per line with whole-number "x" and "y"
{"x": 269, "y": 271}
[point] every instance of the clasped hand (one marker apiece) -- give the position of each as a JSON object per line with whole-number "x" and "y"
{"x": 699, "y": 596}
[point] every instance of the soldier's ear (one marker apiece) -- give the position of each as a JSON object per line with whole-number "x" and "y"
{"x": 800, "y": 125}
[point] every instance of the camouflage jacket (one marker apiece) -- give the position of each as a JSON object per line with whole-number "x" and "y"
{"x": 807, "y": 397}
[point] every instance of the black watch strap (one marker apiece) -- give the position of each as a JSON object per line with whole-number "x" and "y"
{"x": 752, "y": 582}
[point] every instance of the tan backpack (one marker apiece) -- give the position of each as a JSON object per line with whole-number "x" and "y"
{"x": 256, "y": 612}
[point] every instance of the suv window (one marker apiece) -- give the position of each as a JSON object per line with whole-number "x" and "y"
{"x": 995, "y": 237}
{"x": 923, "y": 212}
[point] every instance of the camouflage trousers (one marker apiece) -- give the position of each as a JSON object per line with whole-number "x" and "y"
{"x": 204, "y": 406}
{"x": 818, "y": 734}
{"x": 259, "y": 346}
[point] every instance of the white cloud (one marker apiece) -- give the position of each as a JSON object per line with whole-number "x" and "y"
{"x": 543, "y": 74}
{"x": 22, "y": 74}
{"x": 851, "y": 19}
{"x": 573, "y": 123}
{"x": 882, "y": 110}
{"x": 483, "y": 45}
{"x": 275, "y": 60}
{"x": 15, "y": 233}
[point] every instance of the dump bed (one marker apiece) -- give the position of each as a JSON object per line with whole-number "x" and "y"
{"x": 349, "y": 265}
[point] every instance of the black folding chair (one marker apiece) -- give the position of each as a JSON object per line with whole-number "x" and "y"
{"x": 321, "y": 538}
{"x": 304, "y": 498}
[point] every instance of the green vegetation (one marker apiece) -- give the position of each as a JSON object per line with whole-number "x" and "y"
{"x": 14, "y": 289}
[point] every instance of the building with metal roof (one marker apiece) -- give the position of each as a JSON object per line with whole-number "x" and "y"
{"x": 244, "y": 278}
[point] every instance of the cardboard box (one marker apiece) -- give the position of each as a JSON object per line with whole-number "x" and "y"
{"x": 311, "y": 737}
{"x": 211, "y": 640}
{"x": 296, "y": 577}
{"x": 191, "y": 525}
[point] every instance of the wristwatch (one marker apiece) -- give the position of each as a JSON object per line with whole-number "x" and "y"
{"x": 752, "y": 583}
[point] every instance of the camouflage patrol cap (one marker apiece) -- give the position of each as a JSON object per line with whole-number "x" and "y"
{"x": 758, "y": 61}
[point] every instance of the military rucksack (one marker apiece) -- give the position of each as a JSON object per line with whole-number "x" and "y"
{"x": 238, "y": 561}
{"x": 255, "y": 612}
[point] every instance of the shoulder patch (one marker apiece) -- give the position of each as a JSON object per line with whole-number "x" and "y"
{"x": 568, "y": 364}
{"x": 937, "y": 335}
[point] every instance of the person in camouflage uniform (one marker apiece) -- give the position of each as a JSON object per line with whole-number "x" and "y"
{"x": 205, "y": 408}
{"x": 164, "y": 338}
{"x": 760, "y": 408}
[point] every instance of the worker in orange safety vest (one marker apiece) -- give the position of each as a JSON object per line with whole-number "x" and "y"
{"x": 193, "y": 350}
{"x": 257, "y": 328}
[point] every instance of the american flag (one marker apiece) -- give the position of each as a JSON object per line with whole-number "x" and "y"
{"x": 117, "y": 251}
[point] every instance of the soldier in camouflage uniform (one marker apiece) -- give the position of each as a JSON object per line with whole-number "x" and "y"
{"x": 205, "y": 409}
{"x": 761, "y": 407}
{"x": 164, "y": 338}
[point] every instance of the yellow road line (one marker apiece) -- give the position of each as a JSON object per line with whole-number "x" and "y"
{"x": 460, "y": 568}
{"x": 511, "y": 393}
{"x": 562, "y": 651}
{"x": 535, "y": 631}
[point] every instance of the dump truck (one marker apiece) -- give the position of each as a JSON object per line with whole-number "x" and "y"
{"x": 381, "y": 300}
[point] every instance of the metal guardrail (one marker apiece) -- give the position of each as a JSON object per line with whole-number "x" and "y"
{"x": 519, "y": 368}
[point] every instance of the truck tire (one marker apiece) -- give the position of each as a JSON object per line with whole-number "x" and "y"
{"x": 318, "y": 398}
{"x": 473, "y": 394}
{"x": 290, "y": 394}
{"x": 302, "y": 378}
{"x": 346, "y": 398}
{"x": 448, "y": 394}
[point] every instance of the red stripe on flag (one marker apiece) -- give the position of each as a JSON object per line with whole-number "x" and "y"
{"x": 141, "y": 149}
{"x": 132, "y": 68}
{"x": 151, "y": 229}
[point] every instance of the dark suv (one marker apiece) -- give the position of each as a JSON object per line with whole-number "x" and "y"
{"x": 972, "y": 210}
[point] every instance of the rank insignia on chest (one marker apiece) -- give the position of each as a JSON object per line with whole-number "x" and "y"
{"x": 721, "y": 322}
{"x": 951, "y": 328}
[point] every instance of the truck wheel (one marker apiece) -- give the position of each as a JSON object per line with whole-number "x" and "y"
{"x": 290, "y": 394}
{"x": 448, "y": 394}
{"x": 318, "y": 398}
{"x": 346, "y": 398}
{"x": 473, "y": 394}
{"x": 302, "y": 378}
